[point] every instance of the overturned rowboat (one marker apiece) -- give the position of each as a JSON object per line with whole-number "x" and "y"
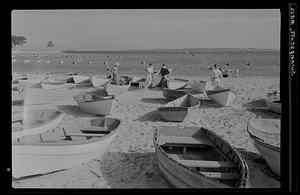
{"x": 273, "y": 102}
{"x": 198, "y": 85}
{"x": 172, "y": 94}
{"x": 178, "y": 109}
{"x": 177, "y": 83}
{"x": 221, "y": 96}
{"x": 195, "y": 157}
{"x": 60, "y": 150}
{"x": 35, "y": 121}
{"x": 265, "y": 136}
{"x": 93, "y": 104}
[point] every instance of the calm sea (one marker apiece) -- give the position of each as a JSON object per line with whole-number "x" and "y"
{"x": 261, "y": 63}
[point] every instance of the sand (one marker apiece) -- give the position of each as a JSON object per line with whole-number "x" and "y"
{"x": 130, "y": 160}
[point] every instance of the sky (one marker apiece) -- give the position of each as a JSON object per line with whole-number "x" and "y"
{"x": 109, "y": 29}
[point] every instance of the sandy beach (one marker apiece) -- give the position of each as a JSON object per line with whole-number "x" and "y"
{"x": 130, "y": 160}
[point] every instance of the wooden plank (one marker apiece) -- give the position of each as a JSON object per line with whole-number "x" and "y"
{"x": 95, "y": 130}
{"x": 180, "y": 140}
{"x": 207, "y": 164}
{"x": 85, "y": 135}
{"x": 220, "y": 175}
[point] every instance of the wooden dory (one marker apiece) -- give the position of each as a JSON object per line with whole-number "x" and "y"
{"x": 53, "y": 84}
{"x": 98, "y": 81}
{"x": 195, "y": 157}
{"x": 29, "y": 83}
{"x": 273, "y": 102}
{"x": 177, "y": 83}
{"x": 198, "y": 85}
{"x": 60, "y": 150}
{"x": 177, "y": 109}
{"x": 221, "y": 96}
{"x": 113, "y": 89}
{"x": 34, "y": 121}
{"x": 78, "y": 79}
{"x": 93, "y": 104}
{"x": 42, "y": 96}
{"x": 172, "y": 94}
{"x": 265, "y": 136}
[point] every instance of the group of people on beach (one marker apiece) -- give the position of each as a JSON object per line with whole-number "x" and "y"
{"x": 164, "y": 73}
{"x": 113, "y": 74}
{"x": 216, "y": 74}
{"x": 228, "y": 71}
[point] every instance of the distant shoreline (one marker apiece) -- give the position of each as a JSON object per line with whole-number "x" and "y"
{"x": 183, "y": 50}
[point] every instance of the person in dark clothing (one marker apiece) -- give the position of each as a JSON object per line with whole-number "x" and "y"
{"x": 164, "y": 72}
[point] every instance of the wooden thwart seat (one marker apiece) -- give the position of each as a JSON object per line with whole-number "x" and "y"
{"x": 101, "y": 130}
{"x": 221, "y": 175}
{"x": 87, "y": 135}
{"x": 207, "y": 164}
{"x": 186, "y": 141}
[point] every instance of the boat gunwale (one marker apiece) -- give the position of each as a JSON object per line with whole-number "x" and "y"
{"x": 213, "y": 92}
{"x": 99, "y": 98}
{"x": 185, "y": 81}
{"x": 60, "y": 114}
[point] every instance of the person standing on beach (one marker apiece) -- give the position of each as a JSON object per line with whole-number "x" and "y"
{"x": 215, "y": 76}
{"x": 115, "y": 76}
{"x": 149, "y": 75}
{"x": 164, "y": 72}
{"x": 108, "y": 73}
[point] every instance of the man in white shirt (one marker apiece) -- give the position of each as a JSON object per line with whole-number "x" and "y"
{"x": 215, "y": 76}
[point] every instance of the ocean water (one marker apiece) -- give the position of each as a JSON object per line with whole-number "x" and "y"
{"x": 262, "y": 63}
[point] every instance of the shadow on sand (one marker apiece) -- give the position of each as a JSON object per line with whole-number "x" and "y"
{"x": 208, "y": 103}
{"x": 75, "y": 111}
{"x": 155, "y": 100}
{"x": 255, "y": 104}
{"x": 150, "y": 116}
{"x": 132, "y": 170}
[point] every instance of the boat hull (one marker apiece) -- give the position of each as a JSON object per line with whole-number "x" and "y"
{"x": 265, "y": 136}
{"x": 222, "y": 97}
{"x": 97, "y": 107}
{"x": 273, "y": 103}
{"x": 52, "y": 119}
{"x": 50, "y": 157}
{"x": 116, "y": 89}
{"x": 174, "y": 114}
{"x": 270, "y": 155}
{"x": 177, "y": 83}
{"x": 79, "y": 79}
{"x": 43, "y": 96}
{"x": 97, "y": 82}
{"x": 183, "y": 176}
{"x": 172, "y": 94}
{"x": 53, "y": 85}
{"x": 29, "y": 83}
{"x": 199, "y": 86}
{"x": 177, "y": 110}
